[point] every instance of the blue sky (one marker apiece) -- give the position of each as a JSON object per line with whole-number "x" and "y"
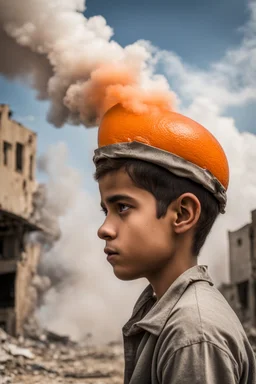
{"x": 200, "y": 32}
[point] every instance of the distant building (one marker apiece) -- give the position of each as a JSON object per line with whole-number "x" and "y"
{"x": 18, "y": 260}
{"x": 241, "y": 293}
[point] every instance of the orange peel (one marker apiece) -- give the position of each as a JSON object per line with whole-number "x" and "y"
{"x": 189, "y": 143}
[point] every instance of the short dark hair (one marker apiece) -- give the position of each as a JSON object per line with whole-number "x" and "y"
{"x": 166, "y": 187}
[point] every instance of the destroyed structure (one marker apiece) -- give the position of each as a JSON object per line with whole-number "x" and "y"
{"x": 241, "y": 292}
{"x": 18, "y": 258}
{"x": 54, "y": 359}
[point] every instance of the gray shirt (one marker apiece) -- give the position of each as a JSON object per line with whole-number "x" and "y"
{"x": 190, "y": 336}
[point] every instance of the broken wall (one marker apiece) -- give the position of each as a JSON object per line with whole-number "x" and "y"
{"x": 240, "y": 254}
{"x": 18, "y": 296}
{"x": 241, "y": 249}
{"x": 17, "y": 165}
{"x": 25, "y": 292}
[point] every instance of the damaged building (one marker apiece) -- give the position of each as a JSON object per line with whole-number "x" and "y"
{"x": 241, "y": 292}
{"x": 18, "y": 258}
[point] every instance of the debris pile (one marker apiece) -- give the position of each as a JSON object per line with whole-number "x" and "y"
{"x": 52, "y": 359}
{"x": 48, "y": 358}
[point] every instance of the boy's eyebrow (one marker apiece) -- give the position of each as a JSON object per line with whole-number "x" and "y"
{"x": 114, "y": 198}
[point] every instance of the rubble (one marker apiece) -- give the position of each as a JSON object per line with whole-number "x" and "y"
{"x": 45, "y": 357}
{"x": 3, "y": 335}
{"x": 52, "y": 358}
{"x": 16, "y": 351}
{"x": 4, "y": 357}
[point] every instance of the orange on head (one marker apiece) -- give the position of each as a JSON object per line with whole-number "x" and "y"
{"x": 169, "y": 131}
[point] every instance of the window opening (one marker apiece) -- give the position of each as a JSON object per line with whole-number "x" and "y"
{"x": 19, "y": 157}
{"x": 31, "y": 160}
{"x": 7, "y": 290}
{"x": 6, "y": 149}
{"x": 239, "y": 242}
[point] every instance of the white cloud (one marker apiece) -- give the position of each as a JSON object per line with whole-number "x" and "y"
{"x": 228, "y": 82}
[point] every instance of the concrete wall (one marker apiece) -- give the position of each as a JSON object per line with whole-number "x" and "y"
{"x": 240, "y": 254}
{"x": 17, "y": 185}
{"x": 25, "y": 294}
{"x": 242, "y": 247}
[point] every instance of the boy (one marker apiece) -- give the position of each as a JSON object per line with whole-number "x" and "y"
{"x": 163, "y": 180}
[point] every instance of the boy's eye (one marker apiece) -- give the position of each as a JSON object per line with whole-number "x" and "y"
{"x": 105, "y": 211}
{"x": 123, "y": 207}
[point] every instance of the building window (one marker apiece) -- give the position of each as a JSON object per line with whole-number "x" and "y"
{"x": 8, "y": 248}
{"x": 239, "y": 242}
{"x": 31, "y": 167}
{"x": 19, "y": 157}
{"x": 30, "y": 139}
{"x": 6, "y": 149}
{"x": 7, "y": 290}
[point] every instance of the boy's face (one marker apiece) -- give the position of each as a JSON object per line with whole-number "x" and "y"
{"x": 142, "y": 245}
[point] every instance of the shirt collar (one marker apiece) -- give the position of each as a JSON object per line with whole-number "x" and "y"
{"x": 156, "y": 317}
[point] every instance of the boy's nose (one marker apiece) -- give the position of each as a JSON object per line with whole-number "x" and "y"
{"x": 106, "y": 232}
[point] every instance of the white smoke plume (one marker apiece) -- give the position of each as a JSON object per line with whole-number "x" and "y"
{"x": 73, "y": 62}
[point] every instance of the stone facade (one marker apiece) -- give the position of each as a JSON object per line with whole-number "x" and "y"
{"x": 18, "y": 257}
{"x": 17, "y": 165}
{"x": 241, "y": 292}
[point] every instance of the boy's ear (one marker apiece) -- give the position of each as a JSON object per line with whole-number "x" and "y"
{"x": 187, "y": 212}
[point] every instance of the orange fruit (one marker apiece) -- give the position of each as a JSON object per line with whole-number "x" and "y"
{"x": 169, "y": 131}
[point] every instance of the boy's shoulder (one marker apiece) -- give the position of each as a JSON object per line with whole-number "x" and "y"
{"x": 190, "y": 331}
{"x": 202, "y": 315}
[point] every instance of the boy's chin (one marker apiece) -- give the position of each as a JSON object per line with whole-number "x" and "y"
{"x": 125, "y": 275}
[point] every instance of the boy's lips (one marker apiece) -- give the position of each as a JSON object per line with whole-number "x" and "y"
{"x": 110, "y": 252}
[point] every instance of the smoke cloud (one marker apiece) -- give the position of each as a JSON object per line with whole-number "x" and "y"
{"x": 19, "y": 62}
{"x": 73, "y": 62}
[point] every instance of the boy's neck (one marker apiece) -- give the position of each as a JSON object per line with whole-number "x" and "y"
{"x": 162, "y": 280}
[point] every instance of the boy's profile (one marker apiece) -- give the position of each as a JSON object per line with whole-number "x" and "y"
{"x": 163, "y": 180}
